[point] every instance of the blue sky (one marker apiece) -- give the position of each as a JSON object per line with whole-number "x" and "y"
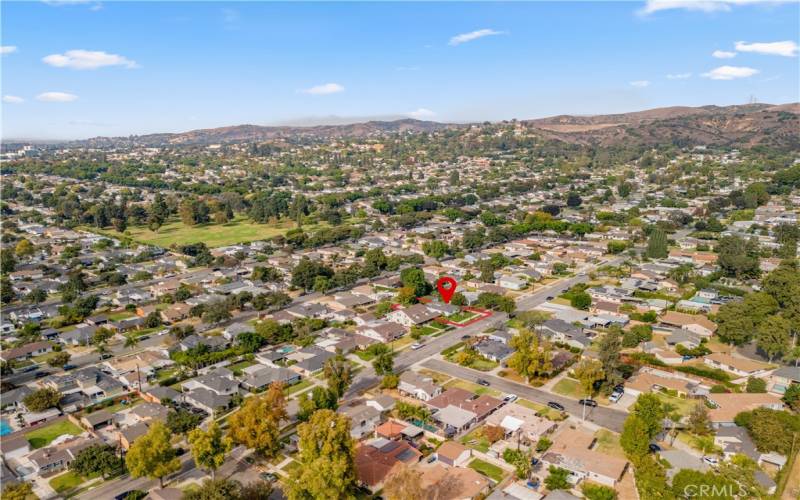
{"x": 76, "y": 69}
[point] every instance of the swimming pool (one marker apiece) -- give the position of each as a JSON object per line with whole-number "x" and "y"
{"x": 4, "y": 427}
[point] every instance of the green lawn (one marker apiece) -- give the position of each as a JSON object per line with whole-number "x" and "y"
{"x": 44, "y": 435}
{"x": 469, "y": 386}
{"x": 489, "y": 470}
{"x": 241, "y": 365}
{"x": 542, "y": 410}
{"x": 66, "y": 482}
{"x": 291, "y": 466}
{"x": 461, "y": 317}
{"x": 568, "y": 387}
{"x": 44, "y": 357}
{"x": 683, "y": 406}
{"x": 240, "y": 230}
{"x": 303, "y": 384}
{"x": 476, "y": 440}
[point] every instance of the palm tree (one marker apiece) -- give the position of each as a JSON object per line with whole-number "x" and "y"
{"x": 131, "y": 341}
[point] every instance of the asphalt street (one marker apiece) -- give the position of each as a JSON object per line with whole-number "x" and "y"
{"x": 606, "y": 417}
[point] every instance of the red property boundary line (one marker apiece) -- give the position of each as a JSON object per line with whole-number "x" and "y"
{"x": 482, "y": 314}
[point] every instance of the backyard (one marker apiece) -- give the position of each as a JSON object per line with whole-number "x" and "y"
{"x": 476, "y": 440}
{"x": 491, "y": 471}
{"x": 44, "y": 435}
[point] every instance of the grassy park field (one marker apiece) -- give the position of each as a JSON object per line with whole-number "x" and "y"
{"x": 239, "y": 230}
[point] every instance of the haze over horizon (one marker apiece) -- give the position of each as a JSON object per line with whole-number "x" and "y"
{"x": 108, "y": 69}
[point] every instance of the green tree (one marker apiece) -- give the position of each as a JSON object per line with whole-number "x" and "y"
{"x": 557, "y": 479}
{"x": 209, "y": 447}
{"x": 649, "y": 408}
{"x": 59, "y": 359}
{"x": 635, "y": 438}
{"x": 598, "y": 492}
{"x": 756, "y": 385}
{"x": 338, "y": 374}
{"x": 7, "y": 293}
{"x": 97, "y": 459}
{"x": 699, "y": 423}
{"x": 580, "y": 300}
{"x": 588, "y": 371}
{"x": 42, "y": 399}
{"x": 414, "y": 277}
{"x": 773, "y": 335}
{"x": 18, "y": 491}
{"x": 384, "y": 361}
{"x": 306, "y": 271}
{"x": 152, "y": 455}
{"x": 435, "y": 248}
{"x": 792, "y": 397}
{"x": 327, "y": 459}
{"x": 739, "y": 257}
{"x": 257, "y": 424}
{"x": 692, "y": 482}
{"x": 532, "y": 356}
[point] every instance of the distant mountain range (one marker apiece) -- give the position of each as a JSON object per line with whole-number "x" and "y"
{"x": 745, "y": 125}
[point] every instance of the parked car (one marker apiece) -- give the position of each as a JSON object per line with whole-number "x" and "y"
{"x": 588, "y": 402}
{"x": 550, "y": 297}
{"x": 69, "y": 367}
{"x": 654, "y": 448}
{"x": 416, "y": 346}
{"x": 482, "y": 382}
{"x": 106, "y": 355}
{"x": 615, "y": 396}
{"x": 510, "y": 398}
{"x": 711, "y": 460}
{"x": 431, "y": 458}
{"x": 268, "y": 476}
{"x": 556, "y": 406}
{"x": 465, "y": 337}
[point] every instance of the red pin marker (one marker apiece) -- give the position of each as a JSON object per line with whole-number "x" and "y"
{"x": 447, "y": 287}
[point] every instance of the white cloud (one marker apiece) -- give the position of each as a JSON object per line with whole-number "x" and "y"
{"x": 786, "y": 48}
{"x": 640, "y": 83}
{"x": 56, "y": 97}
{"x": 8, "y": 49}
{"x": 679, "y": 76}
{"x": 473, "y": 35}
{"x": 87, "y": 59}
{"x": 13, "y": 99}
{"x": 421, "y": 114}
{"x": 652, "y": 6}
{"x": 723, "y": 54}
{"x": 324, "y": 89}
{"x": 730, "y": 73}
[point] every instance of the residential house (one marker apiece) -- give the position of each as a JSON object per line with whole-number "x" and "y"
{"x": 376, "y": 458}
{"x": 742, "y": 367}
{"x": 517, "y": 420}
{"x": 567, "y": 333}
{"x": 260, "y": 377}
{"x": 418, "y": 386}
{"x": 462, "y": 482}
{"x": 26, "y": 351}
{"x": 414, "y": 315}
{"x": 696, "y": 323}
{"x": 572, "y": 449}
{"x": 782, "y": 378}
{"x": 493, "y": 350}
{"x": 58, "y": 457}
{"x": 453, "y": 454}
{"x": 728, "y": 405}
{"x": 97, "y": 420}
{"x": 363, "y": 419}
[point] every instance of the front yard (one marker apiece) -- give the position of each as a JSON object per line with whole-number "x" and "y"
{"x": 569, "y": 387}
